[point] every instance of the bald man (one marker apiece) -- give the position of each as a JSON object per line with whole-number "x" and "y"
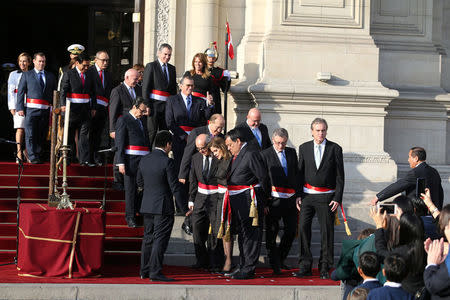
{"x": 254, "y": 132}
{"x": 201, "y": 189}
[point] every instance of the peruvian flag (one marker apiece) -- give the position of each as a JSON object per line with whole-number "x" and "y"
{"x": 230, "y": 42}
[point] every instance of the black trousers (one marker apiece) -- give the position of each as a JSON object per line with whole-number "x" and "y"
{"x": 98, "y": 134}
{"x": 312, "y": 204}
{"x": 249, "y": 236}
{"x": 157, "y": 119}
{"x": 280, "y": 209}
{"x": 36, "y": 128}
{"x": 80, "y": 120}
{"x": 132, "y": 204}
{"x": 157, "y": 229}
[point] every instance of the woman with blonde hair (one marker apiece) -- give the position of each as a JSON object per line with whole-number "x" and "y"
{"x": 24, "y": 62}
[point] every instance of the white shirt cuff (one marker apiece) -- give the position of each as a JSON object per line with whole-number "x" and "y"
{"x": 190, "y": 204}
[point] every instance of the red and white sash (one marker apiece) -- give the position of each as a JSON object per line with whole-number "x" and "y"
{"x": 102, "y": 101}
{"x": 200, "y": 95}
{"x": 159, "y": 95}
{"x": 281, "y": 192}
{"x": 309, "y": 189}
{"x": 37, "y": 103}
{"x": 137, "y": 150}
{"x": 206, "y": 189}
{"x": 187, "y": 129}
{"x": 78, "y": 98}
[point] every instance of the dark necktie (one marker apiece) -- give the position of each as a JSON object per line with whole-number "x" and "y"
{"x": 189, "y": 103}
{"x": 165, "y": 72}
{"x": 41, "y": 80}
{"x": 206, "y": 168}
{"x": 140, "y": 125}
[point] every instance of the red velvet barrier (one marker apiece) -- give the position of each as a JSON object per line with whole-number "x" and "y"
{"x": 60, "y": 242}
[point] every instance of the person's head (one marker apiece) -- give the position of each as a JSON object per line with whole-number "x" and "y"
{"x": 412, "y": 234}
{"x": 253, "y": 118}
{"x": 211, "y": 55}
{"x": 82, "y": 62}
{"x": 358, "y": 294}
{"x": 393, "y": 231}
{"x": 140, "y": 68}
{"x": 444, "y": 217}
{"x": 420, "y": 208}
{"x": 234, "y": 141}
{"x": 369, "y": 265}
{"x": 201, "y": 143}
{"x": 395, "y": 268}
{"x": 404, "y": 205}
{"x": 163, "y": 140}
{"x": 24, "y": 61}
{"x": 164, "y": 53}
{"x": 39, "y": 61}
{"x": 187, "y": 84}
{"x": 219, "y": 148}
{"x": 199, "y": 65}
{"x": 216, "y": 124}
{"x": 319, "y": 129}
{"x": 365, "y": 233}
{"x": 102, "y": 59}
{"x": 139, "y": 108}
{"x": 416, "y": 155}
{"x": 74, "y": 51}
{"x": 131, "y": 77}
{"x": 280, "y": 137}
{"x": 211, "y": 60}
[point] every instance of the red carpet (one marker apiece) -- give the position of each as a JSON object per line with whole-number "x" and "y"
{"x": 184, "y": 275}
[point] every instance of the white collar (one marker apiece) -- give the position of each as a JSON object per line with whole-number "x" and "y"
{"x": 98, "y": 68}
{"x": 276, "y": 151}
{"x": 79, "y": 72}
{"x": 128, "y": 87}
{"x": 37, "y": 72}
{"x": 184, "y": 96}
{"x": 161, "y": 149}
{"x": 257, "y": 128}
{"x": 393, "y": 284}
{"x": 132, "y": 114}
{"x": 322, "y": 144}
{"x": 370, "y": 279}
{"x": 161, "y": 63}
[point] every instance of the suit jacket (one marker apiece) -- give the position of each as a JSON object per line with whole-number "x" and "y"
{"x": 71, "y": 83}
{"x": 331, "y": 170}
{"x": 157, "y": 175}
{"x": 251, "y": 139}
{"x": 389, "y": 293}
{"x": 130, "y": 133}
{"x": 196, "y": 176}
{"x": 247, "y": 169}
{"x": 437, "y": 281}
{"x": 408, "y": 184}
{"x": 190, "y": 150}
{"x": 120, "y": 103}
{"x": 29, "y": 84}
{"x": 177, "y": 115}
{"x": 370, "y": 285}
{"x": 99, "y": 89}
{"x": 276, "y": 172}
{"x": 154, "y": 79}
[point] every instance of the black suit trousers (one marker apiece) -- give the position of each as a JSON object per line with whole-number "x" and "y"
{"x": 132, "y": 203}
{"x": 312, "y": 204}
{"x": 157, "y": 119}
{"x": 280, "y": 209}
{"x": 80, "y": 121}
{"x": 157, "y": 229}
{"x": 99, "y": 135}
{"x": 36, "y": 127}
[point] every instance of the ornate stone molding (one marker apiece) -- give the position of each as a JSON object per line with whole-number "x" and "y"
{"x": 162, "y": 22}
{"x": 370, "y": 158}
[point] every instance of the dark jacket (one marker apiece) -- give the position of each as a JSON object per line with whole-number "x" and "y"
{"x": 120, "y": 103}
{"x": 154, "y": 80}
{"x": 29, "y": 84}
{"x": 102, "y": 90}
{"x": 250, "y": 138}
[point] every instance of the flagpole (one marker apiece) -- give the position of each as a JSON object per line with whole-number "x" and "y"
{"x": 225, "y": 94}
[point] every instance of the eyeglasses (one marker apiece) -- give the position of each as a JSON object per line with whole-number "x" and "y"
{"x": 280, "y": 143}
{"x": 143, "y": 111}
{"x": 103, "y": 60}
{"x": 202, "y": 148}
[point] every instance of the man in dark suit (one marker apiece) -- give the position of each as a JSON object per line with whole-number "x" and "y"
{"x": 132, "y": 143}
{"x": 38, "y": 85}
{"x": 282, "y": 165}
{"x": 157, "y": 175}
{"x": 321, "y": 174}
{"x": 202, "y": 187}
{"x": 122, "y": 98}
{"x": 255, "y": 132}
{"x": 98, "y": 135}
{"x": 184, "y": 112}
{"x": 248, "y": 186}
{"x": 160, "y": 82}
{"x": 419, "y": 169}
{"x": 77, "y": 86}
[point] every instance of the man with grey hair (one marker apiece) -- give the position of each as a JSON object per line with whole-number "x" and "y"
{"x": 321, "y": 175}
{"x": 282, "y": 166}
{"x": 159, "y": 83}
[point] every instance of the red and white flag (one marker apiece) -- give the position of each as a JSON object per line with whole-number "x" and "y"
{"x": 230, "y": 42}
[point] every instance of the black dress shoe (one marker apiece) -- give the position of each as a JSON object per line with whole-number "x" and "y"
{"x": 230, "y": 274}
{"x": 131, "y": 222}
{"x": 276, "y": 270}
{"x": 36, "y": 161}
{"x": 161, "y": 278}
{"x": 144, "y": 276}
{"x": 187, "y": 229}
{"x": 324, "y": 275}
{"x": 302, "y": 273}
{"x": 243, "y": 276}
{"x": 286, "y": 267}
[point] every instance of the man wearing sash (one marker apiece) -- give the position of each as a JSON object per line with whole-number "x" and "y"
{"x": 38, "y": 86}
{"x": 321, "y": 174}
{"x": 132, "y": 143}
{"x": 255, "y": 132}
{"x": 282, "y": 165}
{"x": 248, "y": 190}
{"x": 77, "y": 86}
{"x": 160, "y": 82}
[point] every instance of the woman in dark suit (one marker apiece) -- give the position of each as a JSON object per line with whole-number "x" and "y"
{"x": 220, "y": 229}
{"x": 202, "y": 77}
